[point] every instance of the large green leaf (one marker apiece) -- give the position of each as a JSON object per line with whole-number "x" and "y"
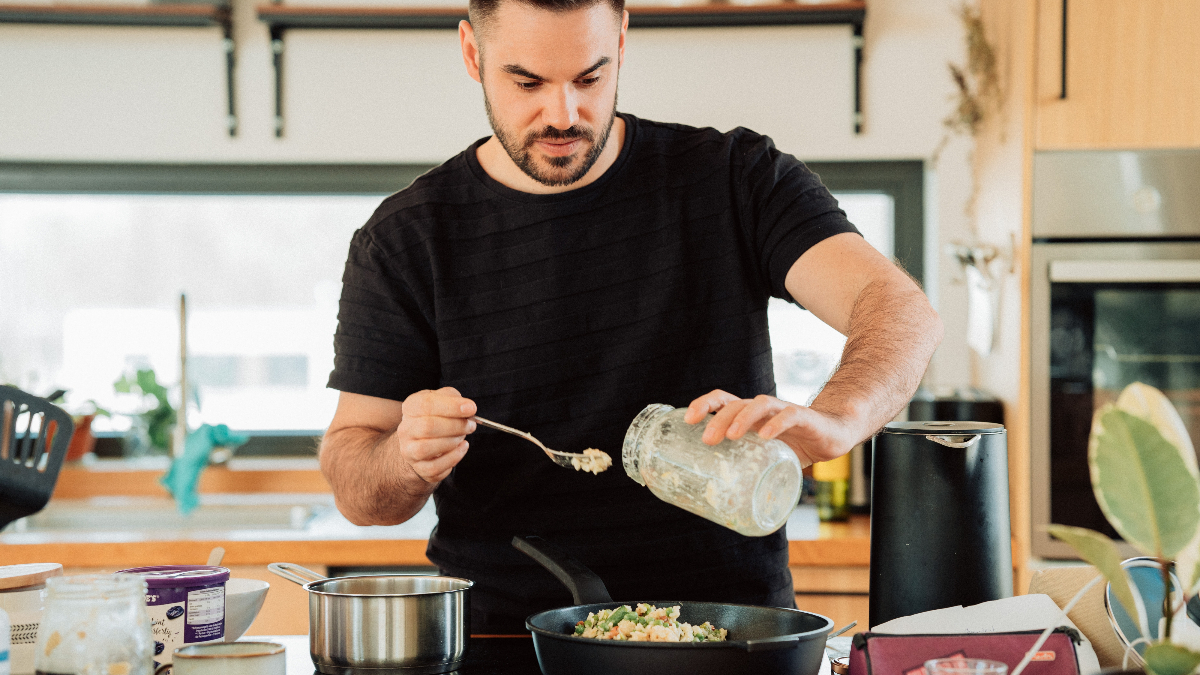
{"x": 1165, "y": 658}
{"x": 1099, "y": 551}
{"x": 1143, "y": 485}
{"x": 1152, "y": 405}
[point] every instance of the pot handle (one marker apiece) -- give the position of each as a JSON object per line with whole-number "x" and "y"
{"x": 295, "y": 573}
{"x": 771, "y": 643}
{"x": 949, "y": 441}
{"x": 586, "y": 588}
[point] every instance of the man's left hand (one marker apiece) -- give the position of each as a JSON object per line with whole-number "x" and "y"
{"x": 813, "y": 435}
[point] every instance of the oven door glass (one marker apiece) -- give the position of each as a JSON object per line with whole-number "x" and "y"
{"x": 1103, "y": 337}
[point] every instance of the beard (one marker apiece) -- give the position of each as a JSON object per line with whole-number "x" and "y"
{"x": 552, "y": 171}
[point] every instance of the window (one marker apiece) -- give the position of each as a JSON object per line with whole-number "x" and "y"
{"x": 96, "y": 256}
{"x": 884, "y": 200}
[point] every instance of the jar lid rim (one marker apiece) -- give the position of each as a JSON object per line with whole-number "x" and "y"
{"x": 28, "y": 574}
{"x": 173, "y": 576}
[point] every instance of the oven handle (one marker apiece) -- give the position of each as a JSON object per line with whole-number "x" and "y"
{"x": 1124, "y": 271}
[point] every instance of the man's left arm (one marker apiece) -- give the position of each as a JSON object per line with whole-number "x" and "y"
{"x": 891, "y": 333}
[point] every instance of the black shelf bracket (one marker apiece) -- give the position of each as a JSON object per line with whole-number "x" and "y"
{"x": 281, "y": 18}
{"x": 188, "y": 15}
{"x": 858, "y": 64}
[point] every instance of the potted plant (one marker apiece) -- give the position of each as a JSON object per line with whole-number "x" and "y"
{"x": 1145, "y": 477}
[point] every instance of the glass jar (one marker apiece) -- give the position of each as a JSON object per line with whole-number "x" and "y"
{"x": 95, "y": 624}
{"x": 749, "y": 485}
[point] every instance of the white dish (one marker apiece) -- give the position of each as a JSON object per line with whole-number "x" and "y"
{"x": 243, "y": 599}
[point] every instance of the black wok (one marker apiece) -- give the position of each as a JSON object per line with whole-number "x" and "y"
{"x": 761, "y": 640}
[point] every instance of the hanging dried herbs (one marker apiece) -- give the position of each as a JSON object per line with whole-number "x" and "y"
{"x": 977, "y": 83}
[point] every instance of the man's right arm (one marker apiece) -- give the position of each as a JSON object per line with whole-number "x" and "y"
{"x": 384, "y": 458}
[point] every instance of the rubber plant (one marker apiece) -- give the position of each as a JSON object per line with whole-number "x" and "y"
{"x": 160, "y": 419}
{"x": 1144, "y": 475}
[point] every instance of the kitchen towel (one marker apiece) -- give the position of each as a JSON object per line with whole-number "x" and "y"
{"x": 184, "y": 475}
{"x": 983, "y": 305}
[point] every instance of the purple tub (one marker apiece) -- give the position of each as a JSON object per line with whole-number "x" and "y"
{"x": 186, "y": 604}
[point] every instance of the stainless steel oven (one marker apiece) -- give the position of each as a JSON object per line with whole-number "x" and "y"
{"x": 1115, "y": 295}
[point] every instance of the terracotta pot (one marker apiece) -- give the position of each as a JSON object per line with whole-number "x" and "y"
{"x": 82, "y": 441}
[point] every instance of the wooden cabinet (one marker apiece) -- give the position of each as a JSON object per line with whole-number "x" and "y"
{"x": 1132, "y": 75}
{"x": 838, "y": 592}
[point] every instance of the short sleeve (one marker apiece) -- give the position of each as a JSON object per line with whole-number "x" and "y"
{"x": 385, "y": 345}
{"x": 784, "y": 207}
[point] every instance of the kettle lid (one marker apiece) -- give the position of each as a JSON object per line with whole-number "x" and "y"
{"x": 943, "y": 428}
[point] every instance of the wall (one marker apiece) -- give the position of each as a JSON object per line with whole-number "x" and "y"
{"x": 1003, "y": 162}
{"x": 126, "y": 94}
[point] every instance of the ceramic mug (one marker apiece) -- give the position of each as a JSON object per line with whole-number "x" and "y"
{"x": 228, "y": 658}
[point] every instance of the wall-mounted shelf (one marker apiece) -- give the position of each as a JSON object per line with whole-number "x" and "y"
{"x": 281, "y": 18}
{"x": 187, "y": 15}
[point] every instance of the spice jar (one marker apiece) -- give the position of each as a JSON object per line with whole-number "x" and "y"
{"x": 749, "y": 485}
{"x": 23, "y": 597}
{"x": 95, "y": 624}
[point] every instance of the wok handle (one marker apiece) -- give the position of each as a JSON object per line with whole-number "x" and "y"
{"x": 295, "y": 573}
{"x": 771, "y": 644}
{"x": 586, "y": 588}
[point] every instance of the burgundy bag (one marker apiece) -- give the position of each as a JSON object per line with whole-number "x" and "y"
{"x": 886, "y": 654}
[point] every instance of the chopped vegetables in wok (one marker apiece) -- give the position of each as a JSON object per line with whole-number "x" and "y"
{"x": 646, "y": 623}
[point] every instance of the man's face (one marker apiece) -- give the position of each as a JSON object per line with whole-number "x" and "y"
{"x": 550, "y": 86}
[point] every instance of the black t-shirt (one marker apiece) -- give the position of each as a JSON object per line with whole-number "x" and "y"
{"x": 564, "y": 315}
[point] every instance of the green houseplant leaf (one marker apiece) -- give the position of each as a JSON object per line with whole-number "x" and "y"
{"x": 1165, "y": 658}
{"x": 1153, "y": 406}
{"x": 1143, "y": 485}
{"x": 1100, "y": 552}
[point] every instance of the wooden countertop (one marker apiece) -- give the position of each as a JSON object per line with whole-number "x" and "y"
{"x": 837, "y": 544}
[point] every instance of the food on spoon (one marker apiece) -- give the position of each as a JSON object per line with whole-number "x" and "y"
{"x": 646, "y": 623}
{"x": 593, "y": 460}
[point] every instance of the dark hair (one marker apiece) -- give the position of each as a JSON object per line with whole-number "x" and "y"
{"x": 479, "y": 11}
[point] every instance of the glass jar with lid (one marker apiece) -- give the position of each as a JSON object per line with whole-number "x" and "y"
{"x": 749, "y": 485}
{"x": 95, "y": 624}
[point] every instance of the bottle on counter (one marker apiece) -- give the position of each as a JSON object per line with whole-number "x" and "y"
{"x": 749, "y": 485}
{"x": 833, "y": 487}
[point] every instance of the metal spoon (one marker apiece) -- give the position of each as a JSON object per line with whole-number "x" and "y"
{"x": 568, "y": 459}
{"x": 845, "y": 628}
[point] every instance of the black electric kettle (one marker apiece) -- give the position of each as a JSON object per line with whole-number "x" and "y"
{"x": 940, "y": 534}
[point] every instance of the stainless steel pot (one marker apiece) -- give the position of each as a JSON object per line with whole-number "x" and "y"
{"x": 407, "y": 625}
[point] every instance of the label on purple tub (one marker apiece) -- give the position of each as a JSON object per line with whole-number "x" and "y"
{"x": 186, "y": 604}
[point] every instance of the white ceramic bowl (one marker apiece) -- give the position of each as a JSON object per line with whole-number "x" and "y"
{"x": 243, "y": 599}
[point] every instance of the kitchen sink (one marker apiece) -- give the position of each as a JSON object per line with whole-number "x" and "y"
{"x": 154, "y": 514}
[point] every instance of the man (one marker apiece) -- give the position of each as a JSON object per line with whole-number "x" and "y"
{"x": 562, "y": 274}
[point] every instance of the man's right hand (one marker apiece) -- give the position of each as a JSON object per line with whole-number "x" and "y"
{"x": 383, "y": 458}
{"x": 432, "y": 435}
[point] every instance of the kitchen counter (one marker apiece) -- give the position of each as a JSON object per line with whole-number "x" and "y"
{"x": 490, "y": 655}
{"x": 485, "y": 655}
{"x": 114, "y": 514}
